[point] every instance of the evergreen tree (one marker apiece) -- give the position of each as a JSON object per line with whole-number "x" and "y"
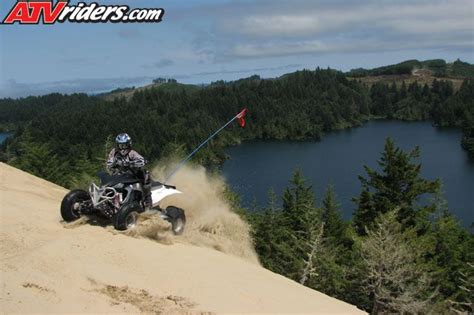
{"x": 398, "y": 185}
{"x": 303, "y": 220}
{"x": 39, "y": 159}
{"x": 334, "y": 226}
{"x": 298, "y": 204}
{"x": 272, "y": 238}
{"x": 394, "y": 280}
{"x": 312, "y": 244}
{"x": 403, "y": 90}
{"x": 365, "y": 214}
{"x": 464, "y": 304}
{"x": 452, "y": 253}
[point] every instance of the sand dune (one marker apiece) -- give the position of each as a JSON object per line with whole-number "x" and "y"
{"x": 49, "y": 267}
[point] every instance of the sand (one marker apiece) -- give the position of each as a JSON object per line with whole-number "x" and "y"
{"x": 47, "y": 266}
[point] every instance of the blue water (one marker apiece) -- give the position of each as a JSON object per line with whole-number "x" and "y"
{"x": 254, "y": 167}
{"x": 3, "y": 136}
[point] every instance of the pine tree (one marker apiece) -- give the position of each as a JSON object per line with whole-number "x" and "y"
{"x": 303, "y": 220}
{"x": 398, "y": 185}
{"x": 334, "y": 226}
{"x": 81, "y": 170}
{"x": 451, "y": 256}
{"x": 403, "y": 90}
{"x": 313, "y": 246}
{"x": 38, "y": 159}
{"x": 298, "y": 203}
{"x": 365, "y": 214}
{"x": 394, "y": 279}
{"x": 464, "y": 304}
{"x": 273, "y": 239}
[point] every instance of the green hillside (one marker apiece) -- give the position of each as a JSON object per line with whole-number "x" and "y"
{"x": 171, "y": 87}
{"x": 71, "y": 130}
{"x": 438, "y": 68}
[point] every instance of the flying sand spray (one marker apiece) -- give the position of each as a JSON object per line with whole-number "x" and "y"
{"x": 212, "y": 222}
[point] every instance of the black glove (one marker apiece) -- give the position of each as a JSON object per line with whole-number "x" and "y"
{"x": 137, "y": 164}
{"x": 122, "y": 163}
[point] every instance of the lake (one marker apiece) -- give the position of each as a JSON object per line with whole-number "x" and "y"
{"x": 3, "y": 136}
{"x": 339, "y": 157}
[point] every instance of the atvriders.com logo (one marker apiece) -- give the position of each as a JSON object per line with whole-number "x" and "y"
{"x": 46, "y": 12}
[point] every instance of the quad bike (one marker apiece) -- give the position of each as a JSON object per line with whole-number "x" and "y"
{"x": 120, "y": 198}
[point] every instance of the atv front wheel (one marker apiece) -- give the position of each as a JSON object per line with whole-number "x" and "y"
{"x": 127, "y": 216}
{"x": 72, "y": 203}
{"x": 177, "y": 218}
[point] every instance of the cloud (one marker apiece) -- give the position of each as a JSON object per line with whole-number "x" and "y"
{"x": 279, "y": 25}
{"x": 311, "y": 47}
{"x": 244, "y": 29}
{"x": 254, "y": 70}
{"x": 243, "y": 36}
{"x": 162, "y": 63}
{"x": 278, "y": 49}
{"x": 310, "y": 18}
{"x": 14, "y": 89}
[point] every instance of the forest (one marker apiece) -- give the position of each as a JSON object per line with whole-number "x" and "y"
{"x": 63, "y": 137}
{"x": 395, "y": 255}
{"x": 439, "y": 68}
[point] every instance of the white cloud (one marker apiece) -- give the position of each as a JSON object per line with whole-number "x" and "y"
{"x": 278, "y": 49}
{"x": 415, "y": 16}
{"x": 312, "y": 27}
{"x": 278, "y": 25}
{"x": 282, "y": 48}
{"x": 254, "y": 70}
{"x": 162, "y": 63}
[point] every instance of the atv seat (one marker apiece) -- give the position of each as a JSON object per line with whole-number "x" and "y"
{"x": 111, "y": 180}
{"x": 158, "y": 184}
{"x": 155, "y": 184}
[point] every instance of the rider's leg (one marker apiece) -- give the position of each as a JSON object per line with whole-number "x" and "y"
{"x": 147, "y": 189}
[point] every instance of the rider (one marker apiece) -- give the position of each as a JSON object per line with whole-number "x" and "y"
{"x": 123, "y": 158}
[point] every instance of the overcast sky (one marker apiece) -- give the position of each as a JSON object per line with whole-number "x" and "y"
{"x": 208, "y": 40}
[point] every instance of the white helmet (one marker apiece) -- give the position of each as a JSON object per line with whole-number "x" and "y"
{"x": 123, "y": 143}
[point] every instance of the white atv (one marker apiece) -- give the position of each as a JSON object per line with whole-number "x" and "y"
{"x": 120, "y": 198}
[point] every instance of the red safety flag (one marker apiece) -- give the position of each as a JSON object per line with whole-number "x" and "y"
{"x": 241, "y": 117}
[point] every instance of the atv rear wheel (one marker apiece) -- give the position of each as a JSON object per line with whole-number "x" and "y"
{"x": 127, "y": 216}
{"x": 177, "y": 218}
{"x": 71, "y": 204}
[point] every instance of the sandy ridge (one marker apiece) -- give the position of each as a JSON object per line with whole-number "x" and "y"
{"x": 46, "y": 267}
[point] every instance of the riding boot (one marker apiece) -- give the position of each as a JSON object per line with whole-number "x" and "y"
{"x": 146, "y": 186}
{"x": 147, "y": 197}
{"x": 148, "y": 202}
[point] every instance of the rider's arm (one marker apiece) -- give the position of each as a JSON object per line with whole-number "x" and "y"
{"x": 136, "y": 159}
{"x": 111, "y": 161}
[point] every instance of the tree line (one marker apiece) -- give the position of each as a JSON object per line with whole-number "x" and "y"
{"x": 61, "y": 137}
{"x": 438, "y": 67}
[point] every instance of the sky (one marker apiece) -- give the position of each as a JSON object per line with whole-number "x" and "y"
{"x": 201, "y": 41}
